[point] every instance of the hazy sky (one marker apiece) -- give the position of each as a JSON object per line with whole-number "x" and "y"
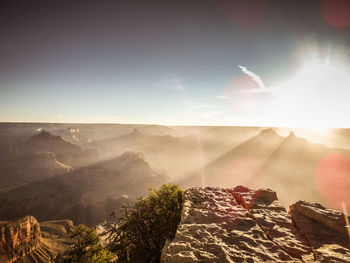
{"x": 212, "y": 62}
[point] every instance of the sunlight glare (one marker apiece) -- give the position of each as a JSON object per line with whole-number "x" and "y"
{"x": 316, "y": 97}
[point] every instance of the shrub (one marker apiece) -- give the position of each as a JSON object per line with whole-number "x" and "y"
{"x": 87, "y": 248}
{"x": 145, "y": 226}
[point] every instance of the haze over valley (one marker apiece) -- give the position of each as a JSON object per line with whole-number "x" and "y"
{"x": 84, "y": 172}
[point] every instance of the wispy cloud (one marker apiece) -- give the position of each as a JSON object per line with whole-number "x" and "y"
{"x": 170, "y": 81}
{"x": 254, "y": 76}
{"x": 236, "y": 94}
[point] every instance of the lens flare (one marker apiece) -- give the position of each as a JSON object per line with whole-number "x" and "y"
{"x": 316, "y": 97}
{"x": 336, "y": 12}
{"x": 332, "y": 178}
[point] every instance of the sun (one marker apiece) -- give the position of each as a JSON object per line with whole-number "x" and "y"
{"x": 316, "y": 97}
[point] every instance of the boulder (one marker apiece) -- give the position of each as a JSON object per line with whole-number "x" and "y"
{"x": 324, "y": 229}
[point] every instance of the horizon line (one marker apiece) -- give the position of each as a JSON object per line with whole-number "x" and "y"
{"x": 167, "y": 125}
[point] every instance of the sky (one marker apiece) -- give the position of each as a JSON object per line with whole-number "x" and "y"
{"x": 205, "y": 62}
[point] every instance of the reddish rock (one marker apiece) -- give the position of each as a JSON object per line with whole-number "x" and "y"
{"x": 18, "y": 238}
{"x": 26, "y": 241}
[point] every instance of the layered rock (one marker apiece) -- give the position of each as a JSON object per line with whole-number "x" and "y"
{"x": 243, "y": 225}
{"x": 18, "y": 238}
{"x": 23, "y": 240}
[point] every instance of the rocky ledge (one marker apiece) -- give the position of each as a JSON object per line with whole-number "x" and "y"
{"x": 244, "y": 225}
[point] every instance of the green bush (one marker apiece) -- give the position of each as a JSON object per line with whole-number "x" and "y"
{"x": 87, "y": 248}
{"x": 145, "y": 226}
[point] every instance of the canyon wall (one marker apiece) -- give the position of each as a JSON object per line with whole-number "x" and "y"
{"x": 25, "y": 240}
{"x": 18, "y": 238}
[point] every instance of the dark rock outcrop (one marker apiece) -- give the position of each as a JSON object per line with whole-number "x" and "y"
{"x": 243, "y": 225}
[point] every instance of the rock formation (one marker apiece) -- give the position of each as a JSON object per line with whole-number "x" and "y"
{"x": 40, "y": 157}
{"x": 324, "y": 230}
{"x": 72, "y": 135}
{"x": 19, "y": 238}
{"x": 243, "y": 225}
{"x": 23, "y": 241}
{"x": 135, "y": 141}
{"x": 66, "y": 152}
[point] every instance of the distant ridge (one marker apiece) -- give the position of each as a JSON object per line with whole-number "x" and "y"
{"x": 85, "y": 195}
{"x": 44, "y": 140}
{"x": 268, "y": 160}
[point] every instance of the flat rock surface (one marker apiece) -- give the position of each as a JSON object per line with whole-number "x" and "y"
{"x": 244, "y": 225}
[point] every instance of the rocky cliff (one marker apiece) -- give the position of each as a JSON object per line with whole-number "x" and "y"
{"x": 244, "y": 225}
{"x": 19, "y": 238}
{"x": 23, "y": 241}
